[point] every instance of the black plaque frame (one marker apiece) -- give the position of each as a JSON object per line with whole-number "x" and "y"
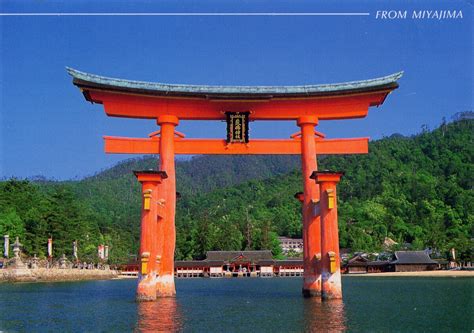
{"x": 232, "y": 136}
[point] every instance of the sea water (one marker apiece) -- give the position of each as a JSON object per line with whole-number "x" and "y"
{"x": 371, "y": 304}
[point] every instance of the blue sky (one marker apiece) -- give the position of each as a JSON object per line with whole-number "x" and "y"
{"x": 47, "y": 128}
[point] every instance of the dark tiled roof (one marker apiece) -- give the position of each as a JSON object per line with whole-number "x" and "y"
{"x": 356, "y": 264}
{"x": 377, "y": 263}
{"x": 231, "y": 256}
{"x": 360, "y": 261}
{"x": 266, "y": 262}
{"x": 93, "y": 81}
{"x": 412, "y": 257}
{"x": 287, "y": 239}
{"x": 191, "y": 263}
{"x": 289, "y": 262}
{"x": 215, "y": 263}
{"x": 357, "y": 260}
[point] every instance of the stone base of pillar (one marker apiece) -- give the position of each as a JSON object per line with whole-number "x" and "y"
{"x": 146, "y": 289}
{"x": 332, "y": 287}
{"x": 328, "y": 295}
{"x": 165, "y": 286}
{"x": 311, "y": 292}
{"x": 312, "y": 286}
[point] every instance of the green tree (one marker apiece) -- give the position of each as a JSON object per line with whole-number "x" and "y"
{"x": 11, "y": 224}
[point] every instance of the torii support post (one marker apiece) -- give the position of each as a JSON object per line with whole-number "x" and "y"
{"x": 330, "y": 260}
{"x": 151, "y": 233}
{"x": 311, "y": 221}
{"x": 165, "y": 285}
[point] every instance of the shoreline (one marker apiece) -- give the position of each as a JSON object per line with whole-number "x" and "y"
{"x": 54, "y": 275}
{"x": 417, "y": 274}
{"x": 70, "y": 275}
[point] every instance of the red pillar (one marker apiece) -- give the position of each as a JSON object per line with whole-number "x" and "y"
{"x": 165, "y": 285}
{"x": 330, "y": 268}
{"x": 149, "y": 269}
{"x": 311, "y": 221}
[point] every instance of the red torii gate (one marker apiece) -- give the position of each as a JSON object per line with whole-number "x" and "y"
{"x": 170, "y": 103}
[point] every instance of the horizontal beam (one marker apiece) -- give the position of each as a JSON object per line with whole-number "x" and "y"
{"x": 324, "y": 108}
{"x": 121, "y": 145}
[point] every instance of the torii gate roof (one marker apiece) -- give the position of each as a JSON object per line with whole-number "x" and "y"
{"x": 147, "y": 100}
{"x": 96, "y": 82}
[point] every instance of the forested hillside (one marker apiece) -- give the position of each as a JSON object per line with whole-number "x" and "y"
{"x": 416, "y": 190}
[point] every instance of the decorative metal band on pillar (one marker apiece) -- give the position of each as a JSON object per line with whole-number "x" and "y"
{"x": 330, "y": 259}
{"x": 311, "y": 221}
{"x": 152, "y": 213}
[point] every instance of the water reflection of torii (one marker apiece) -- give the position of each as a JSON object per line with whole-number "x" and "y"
{"x": 168, "y": 104}
{"x": 164, "y": 315}
{"x": 323, "y": 316}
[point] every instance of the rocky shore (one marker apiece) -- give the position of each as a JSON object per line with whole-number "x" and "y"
{"x": 55, "y": 275}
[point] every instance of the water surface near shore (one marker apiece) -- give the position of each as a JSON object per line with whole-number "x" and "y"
{"x": 399, "y": 304}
